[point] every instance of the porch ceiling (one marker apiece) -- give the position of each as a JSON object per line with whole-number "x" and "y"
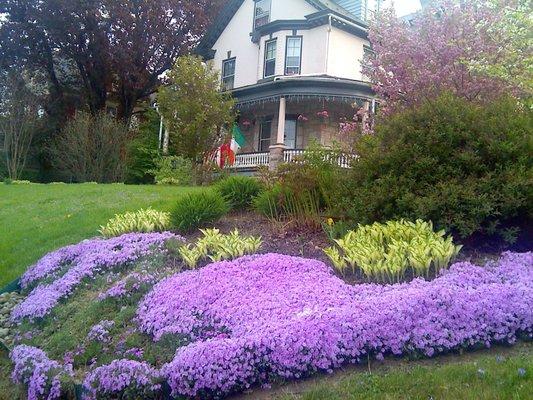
{"x": 302, "y": 88}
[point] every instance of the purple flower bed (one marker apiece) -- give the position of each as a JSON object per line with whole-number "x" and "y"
{"x": 34, "y": 369}
{"x": 128, "y": 286}
{"x": 263, "y": 317}
{"x": 86, "y": 260}
{"x": 138, "y": 379}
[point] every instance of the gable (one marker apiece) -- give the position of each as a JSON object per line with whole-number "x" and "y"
{"x": 228, "y": 12}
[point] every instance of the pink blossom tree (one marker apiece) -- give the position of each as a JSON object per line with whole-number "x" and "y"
{"x": 434, "y": 53}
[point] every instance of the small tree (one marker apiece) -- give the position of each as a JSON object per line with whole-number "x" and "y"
{"x": 193, "y": 107}
{"x": 92, "y": 148}
{"x": 411, "y": 64}
{"x": 19, "y": 120}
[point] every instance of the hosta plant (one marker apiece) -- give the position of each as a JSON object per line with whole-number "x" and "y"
{"x": 385, "y": 252}
{"x": 142, "y": 221}
{"x": 215, "y": 246}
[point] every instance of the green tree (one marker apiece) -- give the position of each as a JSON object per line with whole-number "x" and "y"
{"x": 194, "y": 108}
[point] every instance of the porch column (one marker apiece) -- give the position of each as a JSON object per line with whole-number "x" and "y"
{"x": 277, "y": 149}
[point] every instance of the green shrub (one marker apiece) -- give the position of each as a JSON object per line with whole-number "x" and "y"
{"x": 139, "y": 221}
{"x": 173, "y": 170}
{"x": 239, "y": 191}
{"x": 387, "y": 251}
{"x": 194, "y": 210}
{"x": 465, "y": 167}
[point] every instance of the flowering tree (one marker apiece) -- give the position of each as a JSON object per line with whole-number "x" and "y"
{"x": 437, "y": 51}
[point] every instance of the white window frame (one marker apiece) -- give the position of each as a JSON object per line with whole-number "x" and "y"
{"x": 262, "y": 15}
{"x": 299, "y": 67}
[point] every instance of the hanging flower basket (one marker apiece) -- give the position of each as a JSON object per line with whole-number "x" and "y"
{"x": 302, "y": 118}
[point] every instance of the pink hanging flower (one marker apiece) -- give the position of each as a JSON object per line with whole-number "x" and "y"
{"x": 302, "y": 118}
{"x": 323, "y": 114}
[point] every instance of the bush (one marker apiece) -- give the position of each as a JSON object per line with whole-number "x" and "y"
{"x": 465, "y": 167}
{"x": 142, "y": 221}
{"x": 239, "y": 191}
{"x": 173, "y": 170}
{"x": 92, "y": 148}
{"x": 387, "y": 251}
{"x": 195, "y": 210}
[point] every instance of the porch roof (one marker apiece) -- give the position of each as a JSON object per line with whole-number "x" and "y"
{"x": 320, "y": 87}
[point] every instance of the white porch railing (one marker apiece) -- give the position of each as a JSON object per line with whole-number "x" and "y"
{"x": 254, "y": 160}
{"x": 251, "y": 160}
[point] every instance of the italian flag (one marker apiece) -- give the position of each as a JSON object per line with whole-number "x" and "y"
{"x": 237, "y": 140}
{"x": 227, "y": 152}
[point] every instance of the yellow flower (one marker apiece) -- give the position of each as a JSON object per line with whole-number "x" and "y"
{"x": 330, "y": 222}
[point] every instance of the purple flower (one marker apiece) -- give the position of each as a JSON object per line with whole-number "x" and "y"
{"x": 86, "y": 261}
{"x": 139, "y": 379}
{"x": 100, "y": 331}
{"x": 128, "y": 286}
{"x": 271, "y": 316}
{"x": 34, "y": 369}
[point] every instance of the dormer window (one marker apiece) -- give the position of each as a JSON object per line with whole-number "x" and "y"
{"x": 262, "y": 13}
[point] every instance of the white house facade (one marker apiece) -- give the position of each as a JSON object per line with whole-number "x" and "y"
{"x": 294, "y": 68}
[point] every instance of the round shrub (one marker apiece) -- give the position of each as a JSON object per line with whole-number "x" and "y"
{"x": 465, "y": 167}
{"x": 239, "y": 191}
{"x": 194, "y": 210}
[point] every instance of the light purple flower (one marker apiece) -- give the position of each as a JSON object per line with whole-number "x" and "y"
{"x": 86, "y": 260}
{"x": 140, "y": 379}
{"x": 267, "y": 317}
{"x": 33, "y": 368}
{"x": 100, "y": 331}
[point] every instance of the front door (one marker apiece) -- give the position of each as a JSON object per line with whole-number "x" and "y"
{"x": 291, "y": 128}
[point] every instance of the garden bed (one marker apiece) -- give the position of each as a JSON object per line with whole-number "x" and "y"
{"x": 93, "y": 312}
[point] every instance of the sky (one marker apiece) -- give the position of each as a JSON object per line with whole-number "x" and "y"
{"x": 404, "y": 7}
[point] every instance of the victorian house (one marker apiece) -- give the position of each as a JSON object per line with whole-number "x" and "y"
{"x": 294, "y": 68}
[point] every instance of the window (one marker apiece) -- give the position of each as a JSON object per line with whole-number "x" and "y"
{"x": 291, "y": 127}
{"x": 265, "y": 131}
{"x": 270, "y": 58}
{"x": 261, "y": 13}
{"x": 228, "y": 74}
{"x": 293, "y": 55}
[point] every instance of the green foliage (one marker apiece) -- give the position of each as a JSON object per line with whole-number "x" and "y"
{"x": 239, "y": 191}
{"x": 465, "y": 167}
{"x": 281, "y": 203}
{"x": 193, "y": 107}
{"x": 198, "y": 209}
{"x": 139, "y": 221}
{"x": 143, "y": 150}
{"x": 173, "y": 170}
{"x": 217, "y": 247}
{"x": 387, "y": 251}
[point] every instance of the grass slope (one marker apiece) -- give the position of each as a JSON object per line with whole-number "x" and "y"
{"x": 495, "y": 374}
{"x": 36, "y": 219}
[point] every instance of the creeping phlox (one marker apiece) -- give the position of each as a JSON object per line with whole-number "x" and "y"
{"x": 387, "y": 251}
{"x": 42, "y": 376}
{"x": 80, "y": 262}
{"x": 259, "y": 318}
{"x": 128, "y": 378}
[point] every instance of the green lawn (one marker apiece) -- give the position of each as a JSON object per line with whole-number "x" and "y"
{"x": 489, "y": 375}
{"x": 36, "y": 219}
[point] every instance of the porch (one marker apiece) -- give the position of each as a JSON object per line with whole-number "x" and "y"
{"x": 281, "y": 118}
{"x": 252, "y": 161}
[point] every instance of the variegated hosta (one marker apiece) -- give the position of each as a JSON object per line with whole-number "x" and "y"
{"x": 387, "y": 251}
{"x": 218, "y": 247}
{"x": 142, "y": 221}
